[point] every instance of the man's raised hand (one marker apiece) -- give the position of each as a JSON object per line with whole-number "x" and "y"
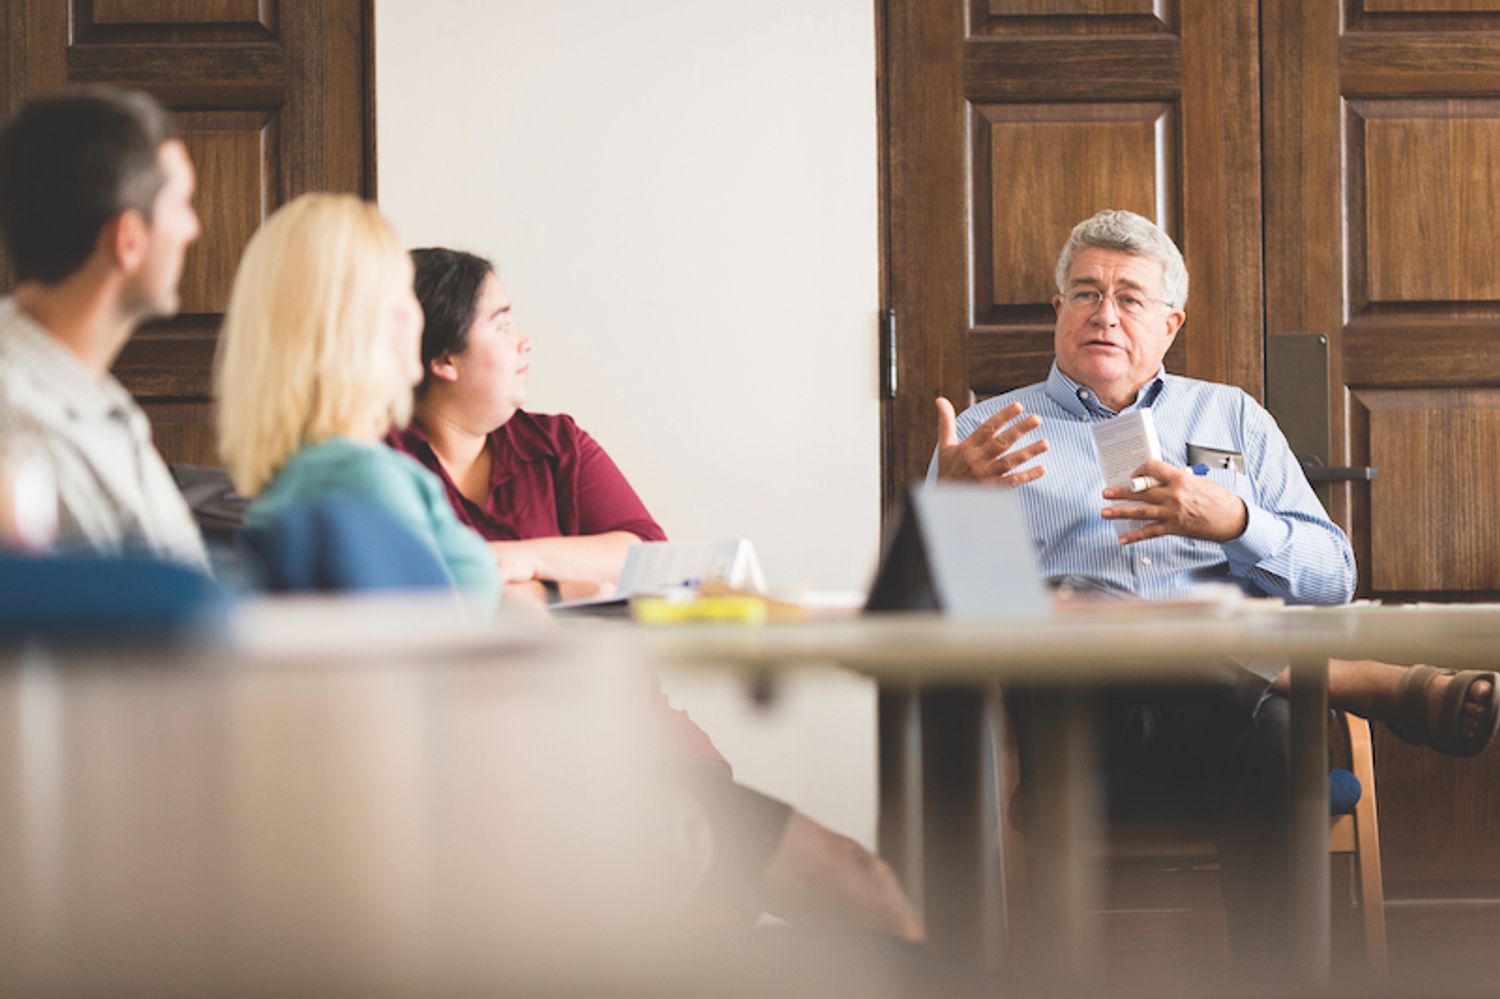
{"x": 989, "y": 454}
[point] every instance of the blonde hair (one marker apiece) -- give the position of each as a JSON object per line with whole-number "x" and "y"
{"x": 302, "y": 356}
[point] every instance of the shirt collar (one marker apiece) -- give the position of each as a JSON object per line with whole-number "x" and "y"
{"x": 510, "y": 446}
{"x": 1081, "y": 401}
{"x": 413, "y": 435}
{"x": 71, "y": 388}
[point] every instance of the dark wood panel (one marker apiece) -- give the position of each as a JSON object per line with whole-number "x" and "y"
{"x": 1127, "y": 68}
{"x": 927, "y": 222}
{"x": 1435, "y": 188}
{"x": 1395, "y": 353}
{"x": 244, "y": 75}
{"x": 1387, "y": 65}
{"x": 1072, "y": 17}
{"x": 1428, "y": 6}
{"x": 1444, "y": 820}
{"x": 1363, "y": 21}
{"x": 171, "y": 360}
{"x": 166, "y": 22}
{"x": 176, "y": 11}
{"x": 1425, "y": 200}
{"x": 335, "y": 47}
{"x": 1391, "y": 24}
{"x": 1040, "y": 168}
{"x": 1432, "y": 509}
{"x": 37, "y": 61}
{"x": 235, "y": 155}
{"x": 1303, "y": 210}
{"x": 33, "y": 63}
{"x": 1003, "y": 359}
{"x": 184, "y": 430}
{"x": 1221, "y": 210}
{"x": 12, "y": 89}
{"x": 1024, "y": 8}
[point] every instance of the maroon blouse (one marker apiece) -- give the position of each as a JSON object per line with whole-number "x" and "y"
{"x": 548, "y": 479}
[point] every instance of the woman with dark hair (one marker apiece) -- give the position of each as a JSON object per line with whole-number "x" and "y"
{"x": 556, "y": 509}
{"x": 552, "y": 504}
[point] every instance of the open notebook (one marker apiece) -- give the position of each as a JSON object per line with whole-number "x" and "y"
{"x": 658, "y": 566}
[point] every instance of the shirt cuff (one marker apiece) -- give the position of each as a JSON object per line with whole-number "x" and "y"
{"x": 1264, "y": 536}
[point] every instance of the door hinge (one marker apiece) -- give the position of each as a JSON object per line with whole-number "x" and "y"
{"x": 888, "y": 366}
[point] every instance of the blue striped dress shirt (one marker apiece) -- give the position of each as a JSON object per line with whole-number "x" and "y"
{"x": 1289, "y": 549}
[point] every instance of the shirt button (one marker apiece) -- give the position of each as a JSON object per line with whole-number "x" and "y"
{"x": 1145, "y": 560}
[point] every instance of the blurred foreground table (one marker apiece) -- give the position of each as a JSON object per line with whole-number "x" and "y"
{"x": 936, "y": 678}
{"x": 353, "y": 796}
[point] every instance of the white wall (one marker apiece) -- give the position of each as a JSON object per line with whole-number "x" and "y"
{"x": 681, "y": 199}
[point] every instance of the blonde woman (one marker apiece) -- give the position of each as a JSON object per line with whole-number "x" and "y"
{"x": 316, "y": 362}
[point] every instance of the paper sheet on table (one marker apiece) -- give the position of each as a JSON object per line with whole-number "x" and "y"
{"x": 657, "y": 566}
{"x": 661, "y": 565}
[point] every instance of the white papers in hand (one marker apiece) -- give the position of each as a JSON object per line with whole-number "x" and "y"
{"x": 1125, "y": 444}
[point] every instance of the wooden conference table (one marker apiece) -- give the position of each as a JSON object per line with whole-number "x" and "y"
{"x": 336, "y": 801}
{"x": 937, "y": 751}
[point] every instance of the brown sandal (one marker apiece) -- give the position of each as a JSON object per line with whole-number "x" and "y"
{"x": 1411, "y": 725}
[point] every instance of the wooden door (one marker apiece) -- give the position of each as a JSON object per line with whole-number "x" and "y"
{"x": 1382, "y": 169}
{"x": 1007, "y": 121}
{"x": 1382, "y": 131}
{"x": 1375, "y": 128}
{"x": 274, "y": 99}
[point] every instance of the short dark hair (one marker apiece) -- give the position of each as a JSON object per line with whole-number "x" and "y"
{"x": 447, "y": 284}
{"x": 69, "y": 163}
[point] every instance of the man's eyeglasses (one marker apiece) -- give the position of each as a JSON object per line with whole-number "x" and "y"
{"x": 1127, "y": 303}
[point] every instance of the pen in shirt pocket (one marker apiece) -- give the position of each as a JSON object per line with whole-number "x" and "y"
{"x": 1141, "y": 483}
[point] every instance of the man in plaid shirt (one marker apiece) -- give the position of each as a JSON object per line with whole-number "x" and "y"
{"x": 96, "y": 214}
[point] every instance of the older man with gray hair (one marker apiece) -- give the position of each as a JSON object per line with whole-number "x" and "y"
{"x": 1249, "y": 518}
{"x": 1121, "y": 292}
{"x": 1121, "y": 296}
{"x": 1227, "y": 502}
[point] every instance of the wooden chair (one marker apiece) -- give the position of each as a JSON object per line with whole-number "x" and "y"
{"x": 1357, "y": 834}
